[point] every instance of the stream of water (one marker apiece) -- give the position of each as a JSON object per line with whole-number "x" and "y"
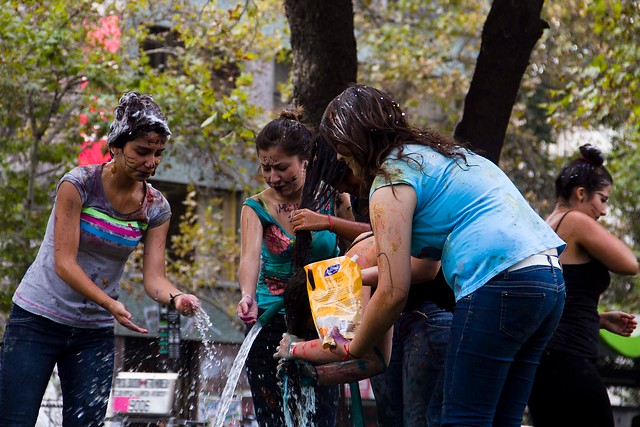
{"x": 234, "y": 375}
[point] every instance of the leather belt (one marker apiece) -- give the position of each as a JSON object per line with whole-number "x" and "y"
{"x": 548, "y": 257}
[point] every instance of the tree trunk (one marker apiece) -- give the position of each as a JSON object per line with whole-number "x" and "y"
{"x": 510, "y": 33}
{"x": 324, "y": 52}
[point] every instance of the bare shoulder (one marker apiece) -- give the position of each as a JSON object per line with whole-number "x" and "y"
{"x": 573, "y": 223}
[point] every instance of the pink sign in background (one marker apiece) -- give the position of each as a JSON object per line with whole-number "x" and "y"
{"x": 121, "y": 404}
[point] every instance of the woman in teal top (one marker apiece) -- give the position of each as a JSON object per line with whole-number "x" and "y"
{"x": 277, "y": 251}
{"x": 269, "y": 221}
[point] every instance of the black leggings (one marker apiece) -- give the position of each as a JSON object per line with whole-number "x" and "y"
{"x": 568, "y": 391}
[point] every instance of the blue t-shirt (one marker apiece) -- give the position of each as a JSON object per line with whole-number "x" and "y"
{"x": 276, "y": 259}
{"x": 107, "y": 238}
{"x": 468, "y": 214}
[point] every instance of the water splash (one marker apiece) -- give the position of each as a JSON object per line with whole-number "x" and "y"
{"x": 234, "y": 375}
{"x": 203, "y": 324}
{"x": 304, "y": 403}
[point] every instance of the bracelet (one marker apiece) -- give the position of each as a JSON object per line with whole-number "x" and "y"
{"x": 346, "y": 356}
{"x": 172, "y": 300}
{"x": 330, "y": 223}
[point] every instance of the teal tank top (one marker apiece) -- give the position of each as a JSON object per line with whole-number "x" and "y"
{"x": 276, "y": 258}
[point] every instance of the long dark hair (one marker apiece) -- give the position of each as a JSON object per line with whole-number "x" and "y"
{"x": 586, "y": 171}
{"x": 320, "y": 189}
{"x": 370, "y": 125}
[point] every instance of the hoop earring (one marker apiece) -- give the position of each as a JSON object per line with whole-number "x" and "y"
{"x": 114, "y": 169}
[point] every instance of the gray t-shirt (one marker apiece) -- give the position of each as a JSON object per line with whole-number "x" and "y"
{"x": 107, "y": 238}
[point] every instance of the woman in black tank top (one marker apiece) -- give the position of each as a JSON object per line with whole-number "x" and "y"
{"x": 568, "y": 389}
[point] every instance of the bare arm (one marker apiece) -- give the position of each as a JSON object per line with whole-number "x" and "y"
{"x": 343, "y": 223}
{"x": 588, "y": 235}
{"x": 422, "y": 270}
{"x": 331, "y": 367}
{"x": 392, "y": 216}
{"x": 66, "y": 240}
{"x": 156, "y": 284}
{"x": 251, "y": 234}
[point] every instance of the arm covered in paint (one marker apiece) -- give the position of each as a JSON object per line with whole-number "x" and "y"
{"x": 327, "y": 366}
{"x": 392, "y": 212}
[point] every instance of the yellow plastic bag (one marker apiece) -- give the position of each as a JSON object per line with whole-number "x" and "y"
{"x": 335, "y": 295}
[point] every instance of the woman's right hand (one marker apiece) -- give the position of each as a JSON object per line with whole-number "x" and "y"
{"x": 247, "y": 310}
{"x": 123, "y": 317}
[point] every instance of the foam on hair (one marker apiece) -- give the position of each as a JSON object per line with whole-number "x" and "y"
{"x": 136, "y": 114}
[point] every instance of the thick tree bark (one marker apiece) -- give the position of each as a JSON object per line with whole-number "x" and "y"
{"x": 510, "y": 33}
{"x": 324, "y": 52}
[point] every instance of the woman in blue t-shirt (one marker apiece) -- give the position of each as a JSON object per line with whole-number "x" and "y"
{"x": 430, "y": 198}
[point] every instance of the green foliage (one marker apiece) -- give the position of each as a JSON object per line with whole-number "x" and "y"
{"x": 206, "y": 252}
{"x": 421, "y": 52}
{"x": 204, "y": 87}
{"x": 592, "y": 85}
{"x": 43, "y": 86}
{"x": 196, "y": 72}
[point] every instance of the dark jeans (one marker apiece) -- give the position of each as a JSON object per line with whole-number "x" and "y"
{"x": 568, "y": 391}
{"x": 32, "y": 346}
{"x": 413, "y": 378}
{"x": 498, "y": 334}
{"x": 266, "y": 389}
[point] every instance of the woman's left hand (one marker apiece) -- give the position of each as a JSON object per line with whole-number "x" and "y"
{"x": 342, "y": 345}
{"x": 187, "y": 304}
{"x": 618, "y": 322}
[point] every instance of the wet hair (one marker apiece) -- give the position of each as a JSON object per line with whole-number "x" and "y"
{"x": 586, "y": 171}
{"x": 370, "y": 125}
{"x": 136, "y": 115}
{"x": 288, "y": 133}
{"x": 324, "y": 173}
{"x": 297, "y": 308}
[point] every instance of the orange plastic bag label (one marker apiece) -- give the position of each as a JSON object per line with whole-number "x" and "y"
{"x": 335, "y": 294}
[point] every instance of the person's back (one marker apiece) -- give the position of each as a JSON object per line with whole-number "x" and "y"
{"x": 465, "y": 206}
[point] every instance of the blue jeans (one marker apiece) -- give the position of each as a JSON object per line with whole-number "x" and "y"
{"x": 32, "y": 346}
{"x": 414, "y": 378}
{"x": 498, "y": 335}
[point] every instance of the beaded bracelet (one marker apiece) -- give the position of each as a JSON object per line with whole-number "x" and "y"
{"x": 330, "y": 223}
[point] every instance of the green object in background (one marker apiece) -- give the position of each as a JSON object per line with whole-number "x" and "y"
{"x": 625, "y": 346}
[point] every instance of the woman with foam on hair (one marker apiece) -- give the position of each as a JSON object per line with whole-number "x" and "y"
{"x": 568, "y": 389}
{"x": 64, "y": 308}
